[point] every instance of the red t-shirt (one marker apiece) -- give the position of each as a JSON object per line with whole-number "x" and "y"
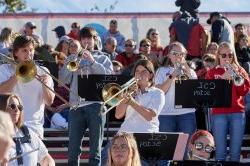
{"x": 238, "y": 92}
{"x": 125, "y": 60}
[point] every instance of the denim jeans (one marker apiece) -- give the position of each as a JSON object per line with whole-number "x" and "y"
{"x": 79, "y": 120}
{"x": 185, "y": 123}
{"x": 234, "y": 123}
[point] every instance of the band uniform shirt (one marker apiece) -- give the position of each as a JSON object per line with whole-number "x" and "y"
{"x": 134, "y": 122}
{"x": 31, "y": 94}
{"x": 34, "y": 157}
{"x": 101, "y": 65}
{"x": 162, "y": 74}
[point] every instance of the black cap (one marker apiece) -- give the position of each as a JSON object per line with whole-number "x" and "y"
{"x": 212, "y": 15}
{"x": 60, "y": 31}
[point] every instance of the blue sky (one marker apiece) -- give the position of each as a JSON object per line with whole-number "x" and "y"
{"x": 79, "y": 6}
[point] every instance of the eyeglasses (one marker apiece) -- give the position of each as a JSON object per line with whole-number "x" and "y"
{"x": 230, "y": 55}
{"x": 15, "y": 106}
{"x": 176, "y": 53}
{"x": 129, "y": 45}
{"x": 146, "y": 45}
{"x": 200, "y": 146}
{"x": 122, "y": 148}
{"x": 155, "y": 34}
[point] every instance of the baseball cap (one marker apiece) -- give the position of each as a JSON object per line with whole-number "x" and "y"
{"x": 31, "y": 25}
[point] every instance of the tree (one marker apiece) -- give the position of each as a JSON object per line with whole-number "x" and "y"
{"x": 110, "y": 8}
{"x": 13, "y": 6}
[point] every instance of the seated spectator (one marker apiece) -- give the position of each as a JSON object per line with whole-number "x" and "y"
{"x": 6, "y": 132}
{"x": 74, "y": 32}
{"x": 201, "y": 146}
{"x": 127, "y": 57}
{"x": 25, "y": 139}
{"x": 110, "y": 47}
{"x": 123, "y": 151}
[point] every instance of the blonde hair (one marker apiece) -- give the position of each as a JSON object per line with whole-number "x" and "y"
{"x": 19, "y": 123}
{"x": 227, "y": 45}
{"x": 135, "y": 160}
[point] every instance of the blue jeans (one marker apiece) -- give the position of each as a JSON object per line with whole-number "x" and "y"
{"x": 234, "y": 123}
{"x": 185, "y": 123}
{"x": 79, "y": 120}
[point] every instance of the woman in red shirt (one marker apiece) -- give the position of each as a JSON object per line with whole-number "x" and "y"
{"x": 231, "y": 119}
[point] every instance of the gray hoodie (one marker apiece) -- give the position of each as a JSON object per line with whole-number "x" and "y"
{"x": 101, "y": 65}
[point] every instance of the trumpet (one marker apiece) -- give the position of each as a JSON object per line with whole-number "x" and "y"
{"x": 180, "y": 69}
{"x": 73, "y": 65}
{"x": 237, "y": 78}
{"x": 111, "y": 94}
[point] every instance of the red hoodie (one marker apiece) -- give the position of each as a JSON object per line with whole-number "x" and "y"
{"x": 238, "y": 92}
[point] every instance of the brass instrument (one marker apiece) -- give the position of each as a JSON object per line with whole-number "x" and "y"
{"x": 27, "y": 71}
{"x": 111, "y": 94}
{"x": 237, "y": 79}
{"x": 73, "y": 65}
{"x": 180, "y": 69}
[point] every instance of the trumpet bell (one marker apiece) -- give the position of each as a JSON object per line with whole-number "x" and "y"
{"x": 26, "y": 71}
{"x": 108, "y": 91}
{"x": 72, "y": 66}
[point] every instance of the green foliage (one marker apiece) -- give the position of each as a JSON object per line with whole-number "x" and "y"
{"x": 13, "y": 6}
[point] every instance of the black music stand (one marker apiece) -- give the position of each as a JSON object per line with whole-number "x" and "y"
{"x": 161, "y": 146}
{"x": 203, "y": 94}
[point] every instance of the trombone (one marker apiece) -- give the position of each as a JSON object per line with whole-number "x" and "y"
{"x": 27, "y": 71}
{"x": 111, "y": 94}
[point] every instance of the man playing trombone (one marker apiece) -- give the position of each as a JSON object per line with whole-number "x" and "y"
{"x": 87, "y": 115}
{"x": 32, "y": 92}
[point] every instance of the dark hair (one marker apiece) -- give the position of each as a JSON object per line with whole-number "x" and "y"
{"x": 113, "y": 22}
{"x": 242, "y": 36}
{"x": 87, "y": 32}
{"x": 148, "y": 65}
{"x": 22, "y": 41}
{"x": 239, "y": 25}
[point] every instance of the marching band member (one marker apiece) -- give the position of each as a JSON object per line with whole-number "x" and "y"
{"x": 87, "y": 115}
{"x": 25, "y": 139}
{"x": 229, "y": 120}
{"x": 141, "y": 111}
{"x": 33, "y": 94}
{"x": 173, "y": 119}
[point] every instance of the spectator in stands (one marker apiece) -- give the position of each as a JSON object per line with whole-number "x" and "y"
{"x": 188, "y": 31}
{"x": 63, "y": 45}
{"x": 113, "y": 31}
{"x": 6, "y": 133}
{"x": 230, "y": 120}
{"x": 117, "y": 66}
{"x": 87, "y": 115}
{"x": 201, "y": 145}
{"x": 175, "y": 119}
{"x": 25, "y": 139}
{"x": 109, "y": 47}
{"x": 29, "y": 31}
{"x": 74, "y": 32}
{"x": 127, "y": 57}
{"x": 123, "y": 151}
{"x": 221, "y": 30}
{"x": 242, "y": 49}
{"x": 145, "y": 49}
{"x": 60, "y": 31}
{"x": 156, "y": 48}
{"x": 5, "y": 40}
{"x": 212, "y": 48}
{"x": 239, "y": 30}
{"x": 190, "y": 6}
{"x": 33, "y": 103}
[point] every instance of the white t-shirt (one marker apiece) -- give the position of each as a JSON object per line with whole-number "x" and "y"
{"x": 134, "y": 122}
{"x": 31, "y": 94}
{"x": 162, "y": 75}
{"x": 32, "y": 158}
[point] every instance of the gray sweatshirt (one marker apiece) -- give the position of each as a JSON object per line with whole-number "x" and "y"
{"x": 101, "y": 65}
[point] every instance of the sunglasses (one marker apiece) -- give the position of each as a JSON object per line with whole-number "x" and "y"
{"x": 200, "y": 146}
{"x": 230, "y": 55}
{"x": 146, "y": 45}
{"x": 129, "y": 45}
{"x": 176, "y": 53}
{"x": 14, "y": 106}
{"x": 155, "y": 34}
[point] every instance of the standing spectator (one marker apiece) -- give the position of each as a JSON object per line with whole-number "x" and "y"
{"x": 113, "y": 31}
{"x": 239, "y": 30}
{"x": 221, "y": 30}
{"x": 230, "y": 120}
{"x": 190, "y": 6}
{"x": 29, "y": 31}
{"x": 110, "y": 47}
{"x": 75, "y": 30}
{"x": 33, "y": 103}
{"x": 60, "y": 31}
{"x": 87, "y": 115}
